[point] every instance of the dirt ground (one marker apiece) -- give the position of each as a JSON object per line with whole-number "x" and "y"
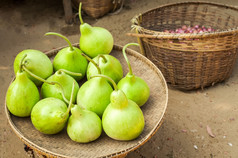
{"x": 184, "y": 130}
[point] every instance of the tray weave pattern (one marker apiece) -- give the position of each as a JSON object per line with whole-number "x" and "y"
{"x": 60, "y": 145}
{"x": 190, "y": 60}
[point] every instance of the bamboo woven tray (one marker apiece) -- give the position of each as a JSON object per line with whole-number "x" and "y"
{"x": 60, "y": 145}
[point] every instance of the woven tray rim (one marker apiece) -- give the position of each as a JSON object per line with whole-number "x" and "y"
{"x": 164, "y": 35}
{"x": 119, "y": 153}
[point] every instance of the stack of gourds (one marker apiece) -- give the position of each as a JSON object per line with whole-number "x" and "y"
{"x": 107, "y": 101}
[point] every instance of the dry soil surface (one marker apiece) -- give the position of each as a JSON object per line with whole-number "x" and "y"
{"x": 184, "y": 130}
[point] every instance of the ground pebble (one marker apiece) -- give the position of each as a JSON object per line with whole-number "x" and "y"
{"x": 196, "y": 147}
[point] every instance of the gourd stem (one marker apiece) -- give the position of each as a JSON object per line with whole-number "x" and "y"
{"x": 102, "y": 56}
{"x": 21, "y": 62}
{"x": 124, "y": 54}
{"x": 92, "y": 61}
{"x": 70, "y": 101}
{"x": 65, "y": 38}
{"x": 80, "y": 15}
{"x": 45, "y": 81}
{"x": 70, "y": 72}
{"x": 108, "y": 78}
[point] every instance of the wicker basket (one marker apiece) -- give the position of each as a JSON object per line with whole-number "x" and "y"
{"x": 188, "y": 60}
{"x": 60, "y": 145}
{"x": 98, "y": 8}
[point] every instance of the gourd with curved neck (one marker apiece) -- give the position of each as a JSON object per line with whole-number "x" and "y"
{"x": 134, "y": 87}
{"x": 48, "y": 90}
{"x": 22, "y": 95}
{"x": 37, "y": 62}
{"x": 123, "y": 118}
{"x": 70, "y": 58}
{"x": 109, "y": 66}
{"x": 94, "y": 40}
{"x": 94, "y": 94}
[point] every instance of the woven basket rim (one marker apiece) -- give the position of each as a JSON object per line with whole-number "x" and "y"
{"x": 119, "y": 153}
{"x": 165, "y": 35}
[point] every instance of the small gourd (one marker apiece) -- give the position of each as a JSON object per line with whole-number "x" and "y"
{"x": 70, "y": 58}
{"x": 50, "y": 115}
{"x": 122, "y": 119}
{"x": 94, "y": 40}
{"x": 35, "y": 61}
{"x": 83, "y": 126}
{"x": 134, "y": 87}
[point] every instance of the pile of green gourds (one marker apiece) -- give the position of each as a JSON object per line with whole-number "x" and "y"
{"x": 107, "y": 101}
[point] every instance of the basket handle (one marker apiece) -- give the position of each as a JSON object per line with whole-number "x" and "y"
{"x": 141, "y": 35}
{"x": 184, "y": 35}
{"x": 164, "y": 36}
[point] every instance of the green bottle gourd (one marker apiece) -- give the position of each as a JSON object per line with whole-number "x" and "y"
{"x": 37, "y": 62}
{"x": 50, "y": 115}
{"x": 22, "y": 95}
{"x": 122, "y": 119}
{"x": 65, "y": 82}
{"x": 94, "y": 40}
{"x": 83, "y": 126}
{"x": 56, "y": 88}
{"x": 134, "y": 87}
{"x": 109, "y": 66}
{"x": 70, "y": 58}
{"x": 94, "y": 94}
{"x": 47, "y": 115}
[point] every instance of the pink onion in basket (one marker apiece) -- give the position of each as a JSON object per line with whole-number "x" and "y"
{"x": 189, "y": 29}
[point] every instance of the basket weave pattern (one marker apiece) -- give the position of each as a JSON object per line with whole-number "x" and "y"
{"x": 190, "y": 61}
{"x": 98, "y": 8}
